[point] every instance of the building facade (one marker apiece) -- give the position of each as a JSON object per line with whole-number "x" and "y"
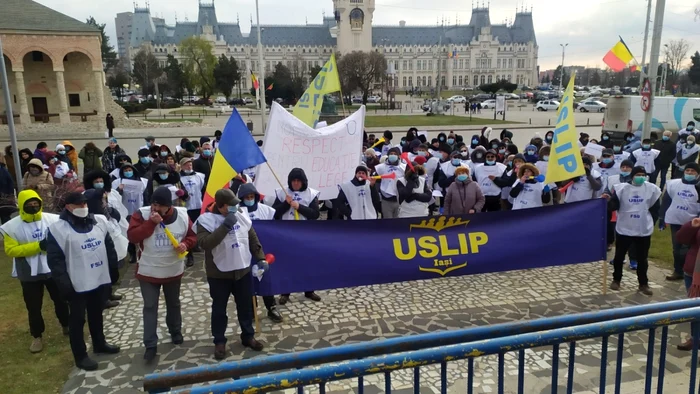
{"x": 54, "y": 65}
{"x": 417, "y": 56}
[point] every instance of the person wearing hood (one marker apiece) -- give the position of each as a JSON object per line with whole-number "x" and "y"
{"x": 59, "y": 169}
{"x": 82, "y": 259}
{"x": 537, "y": 142}
{"x": 91, "y": 157}
{"x": 40, "y": 151}
{"x": 414, "y": 194}
{"x": 36, "y": 178}
{"x": 688, "y": 130}
{"x": 230, "y": 243}
{"x": 451, "y": 139}
{"x": 387, "y": 187}
{"x": 442, "y": 138}
{"x": 150, "y": 142}
{"x": 217, "y": 140}
{"x": 120, "y": 160}
{"x": 98, "y": 179}
{"x": 162, "y": 153}
{"x": 679, "y": 205}
{"x": 474, "y": 143}
{"x": 531, "y": 154}
{"x": 583, "y": 140}
{"x": 110, "y": 156}
{"x": 463, "y": 196}
{"x": 584, "y": 187}
{"x": 633, "y": 141}
{"x": 493, "y": 144}
{"x": 434, "y": 147}
{"x": 163, "y": 175}
{"x": 484, "y": 175}
{"x": 72, "y": 155}
{"x": 667, "y": 152}
{"x": 413, "y": 149}
{"x": 358, "y": 199}
{"x": 205, "y": 162}
{"x": 371, "y": 160}
{"x": 160, "y": 264}
{"x": 527, "y": 191}
{"x": 62, "y": 154}
{"x": 144, "y": 167}
{"x": 25, "y": 242}
{"x": 687, "y": 154}
{"x": 605, "y": 140}
{"x": 638, "y": 206}
{"x": 485, "y": 135}
{"x": 646, "y": 157}
{"x": 194, "y": 183}
{"x": 548, "y": 138}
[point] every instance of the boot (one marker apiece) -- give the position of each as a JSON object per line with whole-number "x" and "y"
{"x": 646, "y": 290}
{"x": 686, "y": 346}
{"x": 150, "y": 354}
{"x": 674, "y": 277}
{"x": 284, "y": 299}
{"x": 190, "y": 260}
{"x": 275, "y": 315}
{"x": 86, "y": 364}
{"x": 220, "y": 351}
{"x": 105, "y": 348}
{"x": 312, "y": 296}
{"x": 111, "y": 304}
{"x": 615, "y": 286}
{"x": 36, "y": 346}
{"x": 253, "y": 344}
{"x": 177, "y": 339}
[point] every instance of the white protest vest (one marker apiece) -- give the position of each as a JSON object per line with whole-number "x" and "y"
{"x": 24, "y": 233}
{"x": 132, "y": 198}
{"x": 414, "y": 208}
{"x": 158, "y": 256}
{"x": 121, "y": 244}
{"x": 606, "y": 173}
{"x": 262, "y": 213}
{"x": 530, "y": 196}
{"x": 687, "y": 152}
{"x": 449, "y": 170}
{"x": 193, "y": 184}
{"x": 646, "y": 159}
{"x": 482, "y": 174}
{"x": 633, "y": 217}
{"x": 388, "y": 186}
{"x": 233, "y": 253}
{"x": 430, "y": 167}
{"x": 360, "y": 200}
{"x": 620, "y": 157}
{"x": 303, "y": 198}
{"x": 684, "y": 202}
{"x": 86, "y": 254}
{"x": 61, "y": 170}
{"x": 581, "y": 190}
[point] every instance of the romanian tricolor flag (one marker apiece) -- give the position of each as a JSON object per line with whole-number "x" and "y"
{"x": 634, "y": 68}
{"x": 270, "y": 87}
{"x": 235, "y": 152}
{"x": 256, "y": 83}
{"x": 618, "y": 57}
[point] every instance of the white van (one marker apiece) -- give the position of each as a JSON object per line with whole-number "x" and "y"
{"x": 624, "y": 114}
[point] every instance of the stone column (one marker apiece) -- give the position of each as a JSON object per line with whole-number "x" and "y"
{"x": 22, "y": 98}
{"x": 99, "y": 92}
{"x": 63, "y": 115}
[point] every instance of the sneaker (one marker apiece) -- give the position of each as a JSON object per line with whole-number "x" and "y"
{"x": 115, "y": 297}
{"x": 633, "y": 265}
{"x": 111, "y": 304}
{"x": 313, "y": 296}
{"x": 220, "y": 351}
{"x": 106, "y": 348}
{"x": 87, "y": 364}
{"x": 150, "y": 354}
{"x": 646, "y": 290}
{"x": 674, "y": 276}
{"x": 177, "y": 339}
{"x": 36, "y": 346}
{"x": 275, "y": 315}
{"x": 686, "y": 346}
{"x": 284, "y": 299}
{"x": 66, "y": 331}
{"x": 615, "y": 286}
{"x": 253, "y": 344}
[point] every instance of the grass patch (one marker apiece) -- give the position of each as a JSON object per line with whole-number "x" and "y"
{"x": 661, "y": 250}
{"x": 20, "y": 371}
{"x": 191, "y": 111}
{"x": 422, "y": 120}
{"x": 193, "y": 120}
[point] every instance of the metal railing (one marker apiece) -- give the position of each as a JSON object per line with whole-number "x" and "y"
{"x": 387, "y": 355}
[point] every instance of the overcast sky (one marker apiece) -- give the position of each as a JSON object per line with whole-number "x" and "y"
{"x": 590, "y": 27}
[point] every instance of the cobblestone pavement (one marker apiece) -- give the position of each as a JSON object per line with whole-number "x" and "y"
{"x": 367, "y": 313}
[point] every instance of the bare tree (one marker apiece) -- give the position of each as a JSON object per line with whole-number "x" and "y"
{"x": 676, "y": 52}
{"x": 361, "y": 70}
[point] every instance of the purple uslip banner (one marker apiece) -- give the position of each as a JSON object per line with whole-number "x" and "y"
{"x": 318, "y": 255}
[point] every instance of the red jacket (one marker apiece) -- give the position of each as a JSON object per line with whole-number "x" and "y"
{"x": 689, "y": 235}
{"x": 140, "y": 229}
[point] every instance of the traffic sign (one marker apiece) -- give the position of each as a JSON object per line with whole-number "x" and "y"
{"x": 646, "y": 88}
{"x": 646, "y": 100}
{"x": 646, "y": 95}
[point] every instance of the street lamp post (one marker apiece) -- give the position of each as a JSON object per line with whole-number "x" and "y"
{"x": 561, "y": 73}
{"x": 261, "y": 60}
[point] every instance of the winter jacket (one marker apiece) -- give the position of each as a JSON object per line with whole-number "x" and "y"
{"x": 110, "y": 158}
{"x": 7, "y": 183}
{"x": 689, "y": 235}
{"x": 42, "y": 183}
{"x": 203, "y": 166}
{"x": 462, "y": 197}
{"x": 72, "y": 154}
{"x": 156, "y": 182}
{"x": 312, "y": 212}
{"x": 667, "y": 152}
{"x": 90, "y": 156}
{"x": 341, "y": 203}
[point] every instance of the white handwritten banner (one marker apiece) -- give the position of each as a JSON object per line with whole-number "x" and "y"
{"x": 328, "y": 155}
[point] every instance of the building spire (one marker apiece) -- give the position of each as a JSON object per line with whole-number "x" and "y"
{"x": 238, "y": 19}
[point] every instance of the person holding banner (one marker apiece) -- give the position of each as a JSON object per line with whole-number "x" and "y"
{"x": 484, "y": 176}
{"x": 160, "y": 264}
{"x": 387, "y": 186}
{"x": 638, "y": 206}
{"x": 586, "y": 186}
{"x": 528, "y": 191}
{"x": 414, "y": 194}
{"x": 358, "y": 199}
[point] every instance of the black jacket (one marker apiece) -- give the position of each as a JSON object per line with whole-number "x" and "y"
{"x": 155, "y": 182}
{"x": 311, "y": 212}
{"x": 406, "y": 191}
{"x": 667, "y": 152}
{"x": 204, "y": 166}
{"x": 143, "y": 170}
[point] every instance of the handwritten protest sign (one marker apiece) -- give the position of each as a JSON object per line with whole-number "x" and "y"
{"x": 328, "y": 155}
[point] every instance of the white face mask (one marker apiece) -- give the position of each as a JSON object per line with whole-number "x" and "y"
{"x": 80, "y": 212}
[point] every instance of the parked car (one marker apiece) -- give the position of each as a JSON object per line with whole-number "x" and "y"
{"x": 481, "y": 96}
{"x": 457, "y": 99}
{"x": 237, "y": 101}
{"x": 546, "y": 105}
{"x": 491, "y": 103}
{"x": 220, "y": 100}
{"x": 203, "y": 101}
{"x": 511, "y": 96}
{"x": 357, "y": 99}
{"x": 248, "y": 100}
{"x": 374, "y": 99}
{"x": 467, "y": 88}
{"x": 592, "y": 106}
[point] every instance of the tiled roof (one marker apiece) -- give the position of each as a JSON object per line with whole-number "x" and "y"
{"x": 309, "y": 35}
{"x": 32, "y": 16}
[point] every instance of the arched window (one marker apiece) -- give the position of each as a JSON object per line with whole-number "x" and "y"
{"x": 357, "y": 18}
{"x": 476, "y": 80}
{"x": 490, "y": 79}
{"x": 483, "y": 79}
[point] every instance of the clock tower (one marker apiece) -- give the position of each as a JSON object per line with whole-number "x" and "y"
{"x": 354, "y": 20}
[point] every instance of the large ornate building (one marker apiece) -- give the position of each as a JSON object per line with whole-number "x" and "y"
{"x": 462, "y": 55}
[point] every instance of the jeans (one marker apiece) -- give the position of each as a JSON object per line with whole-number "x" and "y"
{"x": 91, "y": 302}
{"x": 679, "y": 250}
{"x": 662, "y": 173}
{"x": 242, "y": 290}
{"x": 390, "y": 209}
{"x": 33, "y": 293}
{"x": 640, "y": 253}
{"x": 173, "y": 315}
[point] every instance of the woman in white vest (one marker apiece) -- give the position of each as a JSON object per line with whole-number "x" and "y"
{"x": 24, "y": 237}
{"x": 687, "y": 153}
{"x": 645, "y": 156}
{"x": 131, "y": 189}
{"x": 586, "y": 186}
{"x": 387, "y": 187}
{"x": 484, "y": 176}
{"x": 194, "y": 183}
{"x": 679, "y": 205}
{"x": 82, "y": 260}
{"x": 228, "y": 239}
{"x": 637, "y": 205}
{"x": 620, "y": 155}
{"x": 527, "y": 192}
{"x": 358, "y": 199}
{"x": 160, "y": 264}
{"x": 414, "y": 193}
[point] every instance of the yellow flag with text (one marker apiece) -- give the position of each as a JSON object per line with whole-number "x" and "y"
{"x": 308, "y": 107}
{"x": 565, "y": 157}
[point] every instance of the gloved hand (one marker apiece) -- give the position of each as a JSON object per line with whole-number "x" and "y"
{"x": 263, "y": 265}
{"x": 230, "y": 220}
{"x": 42, "y": 245}
{"x": 662, "y": 225}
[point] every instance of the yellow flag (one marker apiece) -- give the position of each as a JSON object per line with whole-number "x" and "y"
{"x": 565, "y": 157}
{"x": 308, "y": 107}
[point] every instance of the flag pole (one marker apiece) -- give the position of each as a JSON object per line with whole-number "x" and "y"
{"x": 340, "y": 85}
{"x": 296, "y": 213}
{"x": 261, "y": 79}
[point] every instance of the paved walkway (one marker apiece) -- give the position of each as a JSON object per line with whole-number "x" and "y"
{"x": 367, "y": 313}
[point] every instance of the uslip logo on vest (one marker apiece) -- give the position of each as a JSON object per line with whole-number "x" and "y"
{"x": 445, "y": 252}
{"x": 636, "y": 199}
{"x": 91, "y": 244}
{"x": 38, "y": 233}
{"x": 686, "y": 195}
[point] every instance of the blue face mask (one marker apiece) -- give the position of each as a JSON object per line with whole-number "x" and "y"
{"x": 206, "y": 153}
{"x": 545, "y": 158}
{"x": 450, "y": 141}
{"x": 629, "y": 139}
{"x": 233, "y": 208}
{"x": 494, "y": 146}
{"x": 490, "y": 162}
{"x": 442, "y": 139}
{"x": 249, "y": 203}
{"x": 690, "y": 128}
{"x": 128, "y": 174}
{"x": 617, "y": 148}
{"x": 625, "y": 173}
{"x": 456, "y": 162}
{"x": 607, "y": 160}
{"x": 639, "y": 180}
{"x": 145, "y": 160}
{"x": 163, "y": 153}
{"x": 98, "y": 185}
{"x": 149, "y": 144}
{"x": 475, "y": 142}
{"x": 393, "y": 158}
{"x": 422, "y": 153}
{"x": 646, "y": 146}
{"x": 163, "y": 176}
{"x": 501, "y": 151}
{"x": 665, "y": 138}
{"x": 605, "y": 138}
{"x": 690, "y": 177}
{"x": 61, "y": 152}
{"x": 531, "y": 152}
{"x": 462, "y": 177}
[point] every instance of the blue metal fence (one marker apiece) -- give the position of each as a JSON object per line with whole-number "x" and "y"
{"x": 412, "y": 352}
